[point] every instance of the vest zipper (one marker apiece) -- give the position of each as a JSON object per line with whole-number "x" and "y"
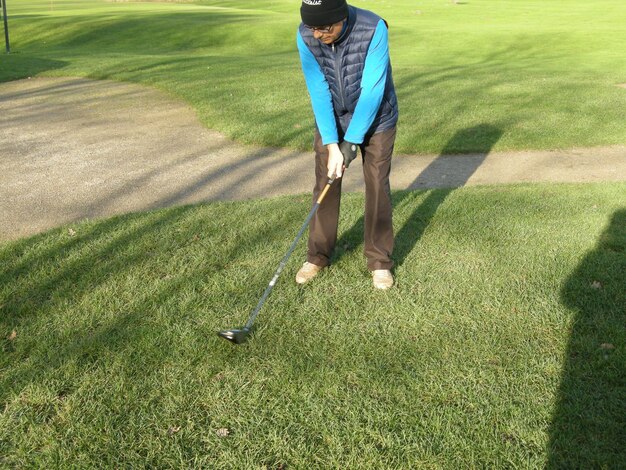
{"x": 339, "y": 77}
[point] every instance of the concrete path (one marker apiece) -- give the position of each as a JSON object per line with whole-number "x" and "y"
{"x": 72, "y": 149}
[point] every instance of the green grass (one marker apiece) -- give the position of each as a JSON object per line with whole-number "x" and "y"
{"x": 542, "y": 73}
{"x": 491, "y": 352}
{"x": 502, "y": 345}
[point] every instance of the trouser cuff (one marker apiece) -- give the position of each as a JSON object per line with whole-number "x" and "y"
{"x": 318, "y": 261}
{"x": 374, "y": 265}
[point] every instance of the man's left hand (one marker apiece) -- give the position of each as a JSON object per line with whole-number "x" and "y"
{"x": 348, "y": 149}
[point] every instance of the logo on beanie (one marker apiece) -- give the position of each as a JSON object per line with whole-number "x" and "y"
{"x": 312, "y": 2}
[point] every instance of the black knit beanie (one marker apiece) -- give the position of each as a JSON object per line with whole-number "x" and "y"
{"x": 323, "y": 12}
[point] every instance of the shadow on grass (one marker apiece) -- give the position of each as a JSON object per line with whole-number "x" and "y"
{"x": 135, "y": 32}
{"x": 15, "y": 66}
{"x": 406, "y": 238}
{"x": 588, "y": 427}
{"x": 116, "y": 290}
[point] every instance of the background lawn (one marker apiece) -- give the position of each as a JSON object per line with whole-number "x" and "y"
{"x": 502, "y": 346}
{"x": 543, "y": 73}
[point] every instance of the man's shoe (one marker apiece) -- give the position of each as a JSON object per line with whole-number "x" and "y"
{"x": 307, "y": 272}
{"x": 382, "y": 278}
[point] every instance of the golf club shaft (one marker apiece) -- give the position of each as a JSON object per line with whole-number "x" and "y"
{"x": 283, "y": 263}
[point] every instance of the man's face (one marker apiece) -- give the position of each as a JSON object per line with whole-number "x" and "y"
{"x": 327, "y": 34}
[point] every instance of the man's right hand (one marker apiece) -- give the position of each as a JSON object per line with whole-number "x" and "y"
{"x": 335, "y": 161}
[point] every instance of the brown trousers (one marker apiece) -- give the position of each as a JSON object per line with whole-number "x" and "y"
{"x": 376, "y": 153}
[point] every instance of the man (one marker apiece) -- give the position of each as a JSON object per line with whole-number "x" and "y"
{"x": 345, "y": 59}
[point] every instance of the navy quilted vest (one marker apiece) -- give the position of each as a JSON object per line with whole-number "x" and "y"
{"x": 342, "y": 65}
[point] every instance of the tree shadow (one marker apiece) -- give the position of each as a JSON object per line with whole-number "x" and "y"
{"x": 15, "y": 66}
{"x": 45, "y": 274}
{"x": 588, "y": 428}
{"x": 461, "y": 167}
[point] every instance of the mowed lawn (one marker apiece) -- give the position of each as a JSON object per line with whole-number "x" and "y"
{"x": 502, "y": 345}
{"x": 544, "y": 73}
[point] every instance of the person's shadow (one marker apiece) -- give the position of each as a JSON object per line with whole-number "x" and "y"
{"x": 588, "y": 428}
{"x": 454, "y": 170}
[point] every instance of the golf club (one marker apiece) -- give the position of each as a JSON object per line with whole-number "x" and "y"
{"x": 239, "y": 335}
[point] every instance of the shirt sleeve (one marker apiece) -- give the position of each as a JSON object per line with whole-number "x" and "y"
{"x": 372, "y": 85}
{"x": 321, "y": 99}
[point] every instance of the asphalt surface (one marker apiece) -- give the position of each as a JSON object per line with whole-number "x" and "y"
{"x": 72, "y": 149}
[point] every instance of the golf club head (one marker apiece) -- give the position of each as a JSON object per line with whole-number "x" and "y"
{"x": 236, "y": 336}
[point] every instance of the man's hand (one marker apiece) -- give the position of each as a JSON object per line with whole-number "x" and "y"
{"x": 348, "y": 149}
{"x": 335, "y": 161}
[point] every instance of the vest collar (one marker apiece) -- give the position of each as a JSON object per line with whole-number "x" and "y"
{"x": 347, "y": 26}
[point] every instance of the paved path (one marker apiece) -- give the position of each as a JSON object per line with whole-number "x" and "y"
{"x": 73, "y": 148}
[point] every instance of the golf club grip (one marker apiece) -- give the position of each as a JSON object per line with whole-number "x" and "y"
{"x": 283, "y": 263}
{"x": 324, "y": 191}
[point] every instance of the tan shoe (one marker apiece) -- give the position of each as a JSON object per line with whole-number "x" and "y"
{"x": 382, "y": 278}
{"x": 307, "y": 272}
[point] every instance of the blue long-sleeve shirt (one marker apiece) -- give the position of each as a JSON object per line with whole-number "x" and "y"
{"x": 372, "y": 89}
